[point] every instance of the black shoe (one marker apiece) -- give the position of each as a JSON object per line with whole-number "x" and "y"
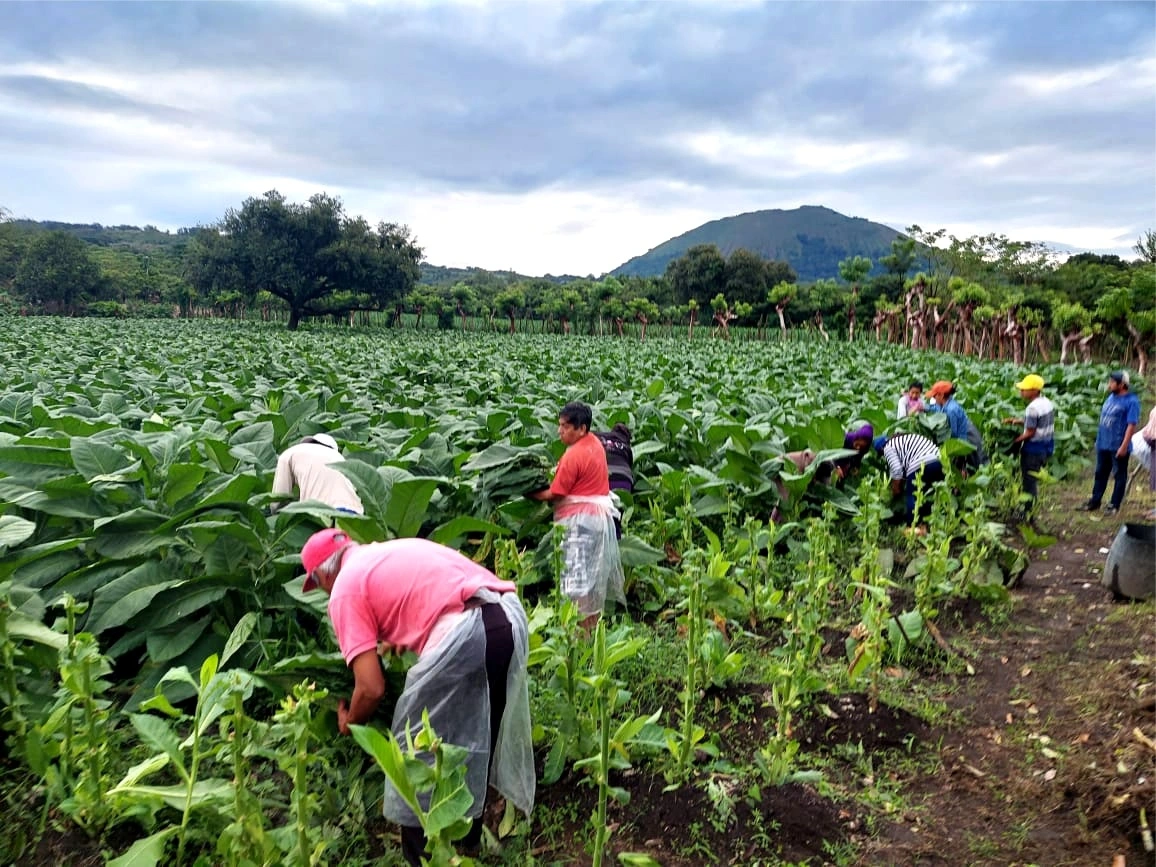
{"x": 1111, "y": 510}
{"x": 1089, "y": 506}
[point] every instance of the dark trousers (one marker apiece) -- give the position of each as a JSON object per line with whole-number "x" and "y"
{"x": 499, "y": 652}
{"x": 930, "y": 473}
{"x": 1106, "y": 461}
{"x": 1029, "y": 465}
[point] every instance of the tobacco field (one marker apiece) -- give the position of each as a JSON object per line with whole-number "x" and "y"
{"x": 168, "y": 694}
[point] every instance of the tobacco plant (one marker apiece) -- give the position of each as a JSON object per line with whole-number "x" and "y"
{"x": 614, "y": 738}
{"x": 302, "y": 842}
{"x": 183, "y": 756}
{"x": 73, "y": 748}
{"x": 871, "y": 583}
{"x": 426, "y": 769}
{"x": 245, "y": 841}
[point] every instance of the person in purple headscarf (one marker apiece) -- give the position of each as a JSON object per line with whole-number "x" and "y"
{"x": 859, "y": 440}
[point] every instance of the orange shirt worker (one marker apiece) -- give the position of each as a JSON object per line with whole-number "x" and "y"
{"x": 580, "y": 492}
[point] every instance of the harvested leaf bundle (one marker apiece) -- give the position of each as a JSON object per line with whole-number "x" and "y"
{"x": 506, "y": 472}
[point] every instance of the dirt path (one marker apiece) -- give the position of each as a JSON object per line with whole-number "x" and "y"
{"x": 1047, "y": 754}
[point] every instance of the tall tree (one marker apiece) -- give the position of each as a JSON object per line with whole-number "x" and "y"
{"x": 644, "y": 311}
{"x": 465, "y": 300}
{"x": 1145, "y": 247}
{"x": 1129, "y": 310}
{"x": 57, "y": 273}
{"x": 312, "y": 256}
{"x": 700, "y": 273}
{"x": 509, "y": 302}
{"x": 901, "y": 259}
{"x": 780, "y": 296}
{"x": 1073, "y": 322}
{"x": 854, "y": 271}
{"x": 12, "y": 243}
{"x": 746, "y": 277}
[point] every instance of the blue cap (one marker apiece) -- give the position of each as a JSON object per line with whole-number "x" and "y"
{"x": 880, "y": 442}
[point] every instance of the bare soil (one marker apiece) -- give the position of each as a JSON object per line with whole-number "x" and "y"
{"x": 1039, "y": 748}
{"x": 1042, "y": 750}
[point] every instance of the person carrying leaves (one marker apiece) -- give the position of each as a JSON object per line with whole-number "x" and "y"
{"x": 580, "y": 493}
{"x": 469, "y": 631}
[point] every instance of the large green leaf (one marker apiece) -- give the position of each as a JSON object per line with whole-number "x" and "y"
{"x": 185, "y": 600}
{"x": 497, "y": 455}
{"x": 32, "y": 464}
{"x": 370, "y": 486}
{"x": 15, "y": 530}
{"x": 239, "y": 635}
{"x": 452, "y": 532}
{"x": 167, "y": 644}
{"x": 205, "y": 793}
{"x": 21, "y": 628}
{"x": 92, "y": 458}
{"x": 182, "y": 480}
{"x": 635, "y": 552}
{"x": 158, "y": 735}
{"x": 408, "y": 503}
{"x": 146, "y": 852}
{"x": 118, "y": 602}
{"x": 232, "y": 489}
{"x": 67, "y": 501}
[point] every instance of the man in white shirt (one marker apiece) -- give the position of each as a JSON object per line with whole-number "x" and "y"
{"x": 306, "y": 466}
{"x": 1038, "y": 441}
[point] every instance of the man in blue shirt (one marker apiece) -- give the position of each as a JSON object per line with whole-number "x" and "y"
{"x": 1118, "y": 419}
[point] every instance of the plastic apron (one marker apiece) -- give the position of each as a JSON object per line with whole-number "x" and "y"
{"x": 450, "y": 681}
{"x": 591, "y": 565}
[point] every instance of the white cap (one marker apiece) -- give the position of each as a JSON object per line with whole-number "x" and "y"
{"x": 324, "y": 439}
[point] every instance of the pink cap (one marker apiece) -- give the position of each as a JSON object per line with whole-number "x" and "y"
{"x": 321, "y": 546}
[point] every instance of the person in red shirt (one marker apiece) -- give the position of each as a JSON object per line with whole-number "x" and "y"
{"x": 580, "y": 492}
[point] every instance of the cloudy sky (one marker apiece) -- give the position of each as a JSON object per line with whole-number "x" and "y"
{"x": 567, "y": 137}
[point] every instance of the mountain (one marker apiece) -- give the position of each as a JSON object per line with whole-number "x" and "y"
{"x": 811, "y": 239}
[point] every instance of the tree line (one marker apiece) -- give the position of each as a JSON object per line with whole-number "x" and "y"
{"x": 982, "y": 295}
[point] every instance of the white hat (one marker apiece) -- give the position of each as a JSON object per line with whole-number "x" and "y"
{"x": 323, "y": 439}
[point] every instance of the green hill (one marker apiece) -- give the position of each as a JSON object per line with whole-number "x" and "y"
{"x": 441, "y": 275}
{"x": 147, "y": 240}
{"x": 811, "y": 239}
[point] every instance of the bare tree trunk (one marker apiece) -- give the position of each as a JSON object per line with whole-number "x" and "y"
{"x": 779, "y": 308}
{"x": 1041, "y": 346}
{"x": 1138, "y": 347}
{"x": 819, "y": 325}
{"x": 851, "y": 314}
{"x": 1086, "y": 347}
{"x": 1066, "y": 343}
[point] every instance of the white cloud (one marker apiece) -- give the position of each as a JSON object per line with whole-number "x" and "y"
{"x": 569, "y": 137}
{"x": 773, "y": 155}
{"x": 546, "y": 231}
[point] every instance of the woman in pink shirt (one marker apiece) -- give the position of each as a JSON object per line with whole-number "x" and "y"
{"x": 1149, "y": 434}
{"x": 470, "y": 633}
